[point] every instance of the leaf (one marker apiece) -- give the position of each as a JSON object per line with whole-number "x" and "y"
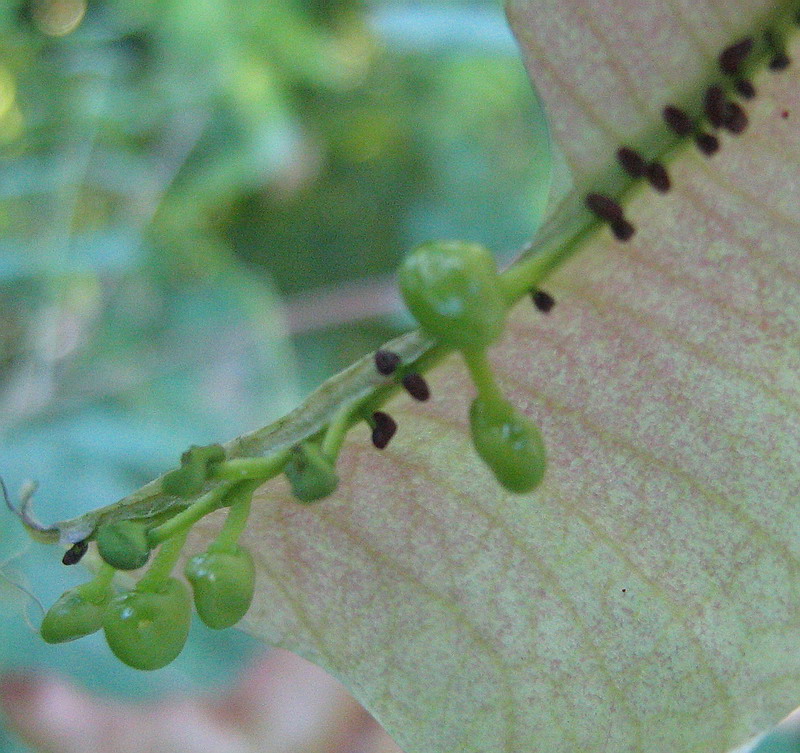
{"x": 644, "y": 597}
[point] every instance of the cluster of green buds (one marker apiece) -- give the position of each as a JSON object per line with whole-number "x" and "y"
{"x": 147, "y": 626}
{"x": 456, "y": 294}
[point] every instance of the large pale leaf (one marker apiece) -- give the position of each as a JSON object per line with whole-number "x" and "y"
{"x": 645, "y": 597}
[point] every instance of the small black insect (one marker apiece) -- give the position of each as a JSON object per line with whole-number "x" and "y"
{"x": 416, "y": 386}
{"x": 732, "y": 57}
{"x": 544, "y": 302}
{"x": 735, "y": 119}
{"x": 677, "y": 120}
{"x": 632, "y": 162}
{"x": 383, "y": 429}
{"x": 715, "y": 105}
{"x": 658, "y": 177}
{"x": 74, "y": 554}
{"x": 745, "y": 88}
{"x": 707, "y": 143}
{"x": 623, "y": 230}
{"x": 780, "y": 62}
{"x": 604, "y": 207}
{"x": 386, "y": 362}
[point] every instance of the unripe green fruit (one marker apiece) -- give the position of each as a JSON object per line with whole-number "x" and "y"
{"x": 223, "y": 583}
{"x": 311, "y": 474}
{"x": 123, "y": 544}
{"x": 188, "y": 480}
{"x": 148, "y": 629}
{"x": 454, "y": 291}
{"x": 78, "y": 612}
{"x": 509, "y": 443}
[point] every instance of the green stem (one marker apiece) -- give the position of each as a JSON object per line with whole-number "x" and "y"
{"x": 241, "y": 469}
{"x": 163, "y": 562}
{"x": 482, "y": 376}
{"x": 97, "y": 588}
{"x": 184, "y": 520}
{"x": 336, "y": 431}
{"x": 236, "y": 521}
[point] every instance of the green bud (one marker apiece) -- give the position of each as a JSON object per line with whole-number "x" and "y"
{"x": 509, "y": 443}
{"x": 453, "y": 290}
{"x": 188, "y": 480}
{"x": 223, "y": 583}
{"x": 78, "y": 612}
{"x": 148, "y": 629}
{"x": 123, "y": 544}
{"x": 310, "y": 473}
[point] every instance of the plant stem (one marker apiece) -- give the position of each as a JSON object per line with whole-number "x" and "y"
{"x": 184, "y": 520}
{"x": 236, "y": 521}
{"x": 163, "y": 562}
{"x": 241, "y": 469}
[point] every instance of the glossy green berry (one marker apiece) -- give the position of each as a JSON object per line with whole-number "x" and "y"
{"x": 310, "y": 473}
{"x": 123, "y": 544}
{"x": 148, "y": 629}
{"x": 223, "y": 583}
{"x": 509, "y": 443}
{"x": 188, "y": 480}
{"x": 78, "y": 612}
{"x": 453, "y": 290}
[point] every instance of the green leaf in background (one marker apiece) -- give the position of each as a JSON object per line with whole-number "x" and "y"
{"x": 644, "y": 598}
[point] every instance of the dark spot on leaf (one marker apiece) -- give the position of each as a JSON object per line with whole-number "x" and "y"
{"x": 74, "y": 554}
{"x": 732, "y": 57}
{"x": 416, "y": 386}
{"x": 745, "y": 88}
{"x": 678, "y": 120}
{"x": 632, "y": 162}
{"x": 658, "y": 177}
{"x": 386, "y": 362}
{"x": 622, "y": 229}
{"x": 785, "y": 114}
{"x": 543, "y": 301}
{"x": 604, "y": 207}
{"x": 384, "y": 428}
{"x": 707, "y": 143}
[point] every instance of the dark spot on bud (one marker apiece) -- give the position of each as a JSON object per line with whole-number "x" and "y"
{"x": 632, "y": 162}
{"x": 384, "y": 427}
{"x": 543, "y": 301}
{"x": 678, "y": 120}
{"x": 623, "y": 230}
{"x": 386, "y": 362}
{"x": 715, "y": 105}
{"x": 74, "y": 554}
{"x": 732, "y": 57}
{"x": 735, "y": 118}
{"x": 604, "y": 207}
{"x": 658, "y": 177}
{"x": 785, "y": 114}
{"x": 745, "y": 88}
{"x": 416, "y": 386}
{"x": 707, "y": 143}
{"x": 780, "y": 62}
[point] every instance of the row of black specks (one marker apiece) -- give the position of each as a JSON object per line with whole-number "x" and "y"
{"x": 382, "y": 424}
{"x": 720, "y": 112}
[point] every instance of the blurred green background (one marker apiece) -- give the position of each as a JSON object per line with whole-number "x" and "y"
{"x": 202, "y": 203}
